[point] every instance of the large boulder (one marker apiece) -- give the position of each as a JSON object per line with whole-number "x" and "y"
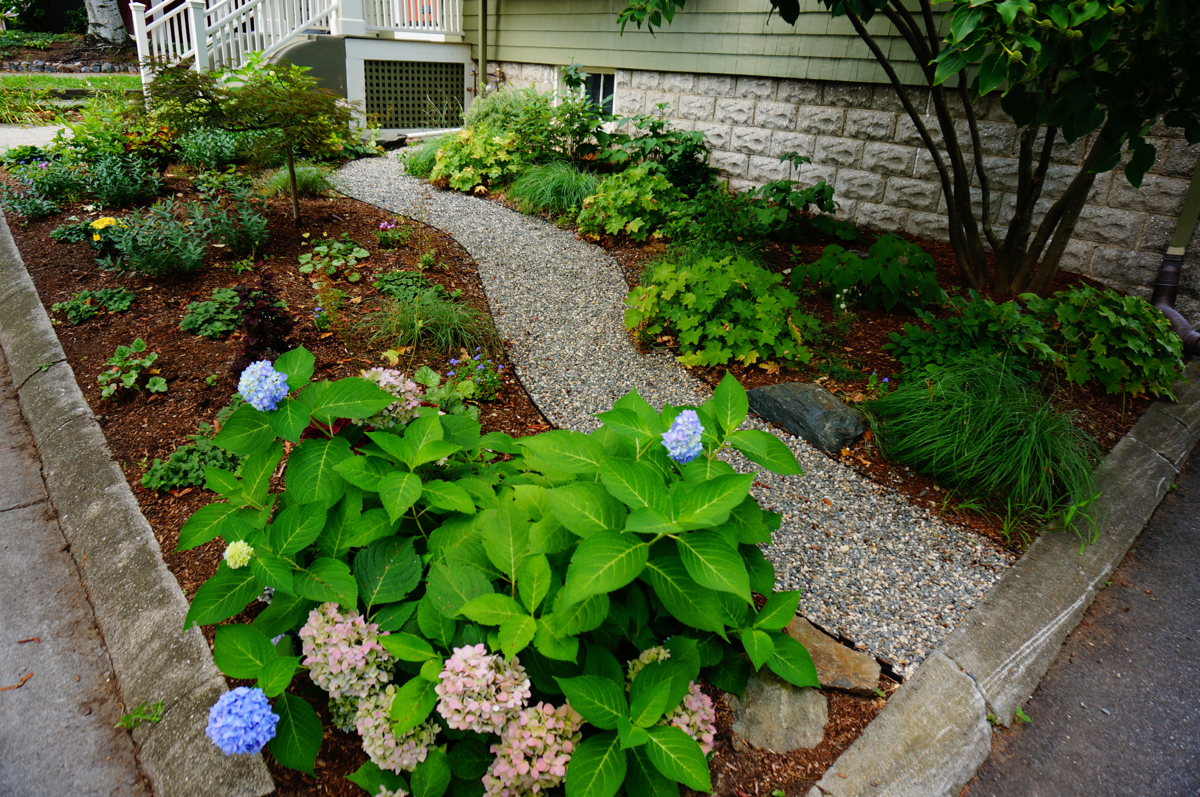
{"x": 838, "y": 667}
{"x": 808, "y": 411}
{"x": 777, "y": 716}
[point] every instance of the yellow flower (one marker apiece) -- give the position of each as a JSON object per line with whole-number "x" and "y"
{"x": 96, "y": 237}
{"x": 102, "y": 222}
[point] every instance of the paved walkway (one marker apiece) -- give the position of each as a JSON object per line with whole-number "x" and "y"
{"x": 15, "y": 135}
{"x": 1116, "y": 714}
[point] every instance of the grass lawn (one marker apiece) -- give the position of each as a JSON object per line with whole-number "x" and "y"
{"x": 40, "y": 81}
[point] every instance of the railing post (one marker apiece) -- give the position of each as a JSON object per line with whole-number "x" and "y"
{"x": 199, "y": 22}
{"x": 142, "y": 40}
{"x": 349, "y": 19}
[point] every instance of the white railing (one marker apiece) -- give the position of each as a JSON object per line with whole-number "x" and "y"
{"x": 221, "y": 33}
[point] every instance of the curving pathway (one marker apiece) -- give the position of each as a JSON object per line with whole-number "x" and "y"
{"x": 886, "y": 575}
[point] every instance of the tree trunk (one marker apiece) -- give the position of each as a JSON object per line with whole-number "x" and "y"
{"x": 292, "y": 185}
{"x": 105, "y": 24}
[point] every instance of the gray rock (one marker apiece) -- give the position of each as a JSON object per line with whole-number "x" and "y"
{"x": 777, "y": 716}
{"x": 838, "y": 667}
{"x": 808, "y": 411}
{"x": 107, "y": 68}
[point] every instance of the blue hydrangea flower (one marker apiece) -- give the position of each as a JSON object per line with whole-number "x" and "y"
{"x": 682, "y": 440}
{"x": 241, "y": 721}
{"x": 262, "y": 386}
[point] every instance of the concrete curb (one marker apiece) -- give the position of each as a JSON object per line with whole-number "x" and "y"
{"x": 138, "y": 604}
{"x": 934, "y": 733}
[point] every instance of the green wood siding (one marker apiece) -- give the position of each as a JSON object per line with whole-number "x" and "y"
{"x": 721, "y": 37}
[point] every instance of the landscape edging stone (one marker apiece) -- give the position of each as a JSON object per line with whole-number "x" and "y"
{"x": 1008, "y": 641}
{"x": 138, "y": 604}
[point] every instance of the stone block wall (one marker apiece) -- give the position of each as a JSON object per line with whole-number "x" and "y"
{"x": 863, "y": 144}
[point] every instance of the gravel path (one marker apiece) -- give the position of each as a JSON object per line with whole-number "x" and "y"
{"x": 880, "y": 572}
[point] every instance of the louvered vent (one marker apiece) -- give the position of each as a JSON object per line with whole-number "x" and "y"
{"x": 414, "y": 94}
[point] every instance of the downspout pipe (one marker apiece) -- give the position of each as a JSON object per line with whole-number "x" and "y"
{"x": 1166, "y": 288}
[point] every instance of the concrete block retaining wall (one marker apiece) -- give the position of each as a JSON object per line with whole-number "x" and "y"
{"x": 863, "y": 144}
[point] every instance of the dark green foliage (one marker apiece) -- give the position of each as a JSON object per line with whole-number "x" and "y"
{"x": 311, "y": 181}
{"x": 558, "y": 187}
{"x": 215, "y": 318}
{"x": 720, "y": 214}
{"x": 683, "y": 154}
{"x": 784, "y": 197}
{"x": 211, "y": 148}
{"x": 185, "y": 466}
{"x": 894, "y": 272}
{"x": 88, "y": 304}
{"x": 74, "y": 233}
{"x": 55, "y": 179}
{"x": 237, "y": 222}
{"x": 25, "y": 153}
{"x": 27, "y": 204}
{"x": 155, "y": 243}
{"x": 406, "y": 286}
{"x": 721, "y": 310}
{"x": 977, "y": 424}
{"x": 1120, "y": 341}
{"x": 117, "y": 181}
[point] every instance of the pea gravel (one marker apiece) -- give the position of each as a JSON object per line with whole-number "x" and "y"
{"x": 887, "y": 576}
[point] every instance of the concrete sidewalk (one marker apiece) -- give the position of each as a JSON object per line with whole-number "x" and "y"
{"x": 15, "y": 135}
{"x": 61, "y": 701}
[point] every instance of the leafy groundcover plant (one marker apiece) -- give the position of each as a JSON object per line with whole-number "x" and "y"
{"x": 468, "y": 614}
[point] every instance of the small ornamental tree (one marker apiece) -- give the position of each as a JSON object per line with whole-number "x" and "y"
{"x": 492, "y": 623}
{"x": 1063, "y": 69}
{"x": 260, "y": 96}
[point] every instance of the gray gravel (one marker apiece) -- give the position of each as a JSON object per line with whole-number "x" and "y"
{"x": 887, "y": 576}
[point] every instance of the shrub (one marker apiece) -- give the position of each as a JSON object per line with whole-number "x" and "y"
{"x": 237, "y": 223}
{"x": 893, "y": 272}
{"x": 155, "y": 244}
{"x": 406, "y": 286}
{"x": 186, "y": 464}
{"x": 558, "y": 187}
{"x": 58, "y": 179}
{"x": 430, "y": 319}
{"x": 638, "y": 202}
{"x": 781, "y": 198}
{"x": 419, "y": 159}
{"x": 311, "y": 181}
{"x": 452, "y": 569}
{"x": 976, "y": 423}
{"x": 215, "y": 318}
{"x": 477, "y": 158}
{"x": 27, "y": 204}
{"x": 209, "y": 148}
{"x": 718, "y": 214}
{"x": 265, "y": 320}
{"x": 1120, "y": 341}
{"x": 683, "y": 154}
{"x": 88, "y": 304}
{"x": 500, "y": 109}
{"x": 721, "y": 310}
{"x": 126, "y": 368}
{"x": 122, "y": 180}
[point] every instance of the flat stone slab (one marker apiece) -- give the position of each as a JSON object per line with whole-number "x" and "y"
{"x": 838, "y": 667}
{"x": 777, "y": 716}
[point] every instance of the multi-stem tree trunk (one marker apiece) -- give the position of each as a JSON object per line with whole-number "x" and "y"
{"x": 105, "y": 24}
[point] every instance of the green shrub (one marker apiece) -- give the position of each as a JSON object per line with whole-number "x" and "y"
{"x": 558, "y": 187}
{"x": 419, "y": 159}
{"x": 1120, "y": 341}
{"x": 638, "y": 202}
{"x": 555, "y": 126}
{"x": 977, "y": 324}
{"x": 27, "y": 204}
{"x": 476, "y": 159}
{"x": 406, "y": 286}
{"x": 430, "y": 319}
{"x": 500, "y": 109}
{"x": 721, "y": 310}
{"x": 976, "y": 423}
{"x": 717, "y": 214}
{"x": 57, "y": 179}
{"x": 237, "y": 223}
{"x": 210, "y": 148}
{"x": 126, "y": 368}
{"x": 894, "y": 272}
{"x": 121, "y": 180}
{"x": 88, "y": 304}
{"x": 215, "y": 318}
{"x": 311, "y": 181}
{"x": 781, "y": 198}
{"x": 155, "y": 243}
{"x": 22, "y": 154}
{"x": 683, "y": 154}
{"x": 186, "y": 464}
{"x": 569, "y": 556}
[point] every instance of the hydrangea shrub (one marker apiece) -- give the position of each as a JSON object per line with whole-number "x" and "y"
{"x": 471, "y": 612}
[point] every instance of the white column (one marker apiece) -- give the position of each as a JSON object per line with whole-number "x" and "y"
{"x": 142, "y": 39}
{"x": 199, "y": 33}
{"x": 350, "y": 19}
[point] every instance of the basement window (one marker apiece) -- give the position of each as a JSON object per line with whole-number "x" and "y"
{"x": 599, "y": 87}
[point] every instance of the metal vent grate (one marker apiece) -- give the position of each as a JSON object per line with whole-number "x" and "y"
{"x": 414, "y": 94}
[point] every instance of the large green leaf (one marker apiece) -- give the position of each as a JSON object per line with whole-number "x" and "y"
{"x": 386, "y": 571}
{"x": 447, "y": 496}
{"x": 759, "y": 568}
{"x": 709, "y": 503}
{"x": 759, "y": 647}
{"x": 492, "y": 609}
{"x": 729, "y": 404}
{"x": 204, "y": 525}
{"x": 350, "y": 398}
{"x": 432, "y": 776}
{"x": 678, "y": 756}
{"x": 648, "y": 706}
{"x": 298, "y": 365}
{"x": 767, "y": 450}
{"x": 533, "y": 581}
{"x": 412, "y": 705}
{"x": 434, "y": 625}
{"x": 644, "y": 779}
{"x": 578, "y": 618}
{"x": 792, "y": 662}
{"x": 398, "y": 492}
{"x": 284, "y": 613}
{"x": 393, "y": 616}
{"x": 629, "y": 424}
{"x": 342, "y": 524}
{"x": 372, "y": 525}
{"x": 296, "y": 527}
{"x": 257, "y": 470}
{"x": 451, "y": 587}
{"x": 245, "y": 431}
{"x": 289, "y": 419}
{"x": 271, "y": 570}
{"x": 371, "y": 779}
{"x": 311, "y": 470}
{"x": 598, "y": 700}
{"x": 222, "y": 596}
{"x": 505, "y": 537}
{"x": 278, "y": 674}
{"x": 328, "y": 580}
{"x": 241, "y": 651}
{"x": 549, "y": 536}
{"x": 714, "y": 563}
{"x": 552, "y": 645}
{"x": 364, "y": 472}
{"x": 221, "y": 481}
{"x": 780, "y": 610}
{"x": 684, "y": 598}
{"x": 297, "y": 734}
{"x": 515, "y": 634}
{"x": 597, "y": 767}
{"x": 602, "y": 662}
{"x": 586, "y": 508}
{"x": 408, "y": 647}
{"x": 604, "y": 562}
{"x": 635, "y": 484}
{"x": 470, "y": 758}
{"x": 571, "y": 452}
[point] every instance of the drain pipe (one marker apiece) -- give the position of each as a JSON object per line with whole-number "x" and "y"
{"x": 1167, "y": 287}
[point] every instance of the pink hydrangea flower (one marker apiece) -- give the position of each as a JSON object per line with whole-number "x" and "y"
{"x": 479, "y": 691}
{"x": 408, "y": 398}
{"x": 386, "y": 749}
{"x": 343, "y": 653}
{"x": 534, "y": 750}
{"x": 647, "y": 656}
{"x": 696, "y": 717}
